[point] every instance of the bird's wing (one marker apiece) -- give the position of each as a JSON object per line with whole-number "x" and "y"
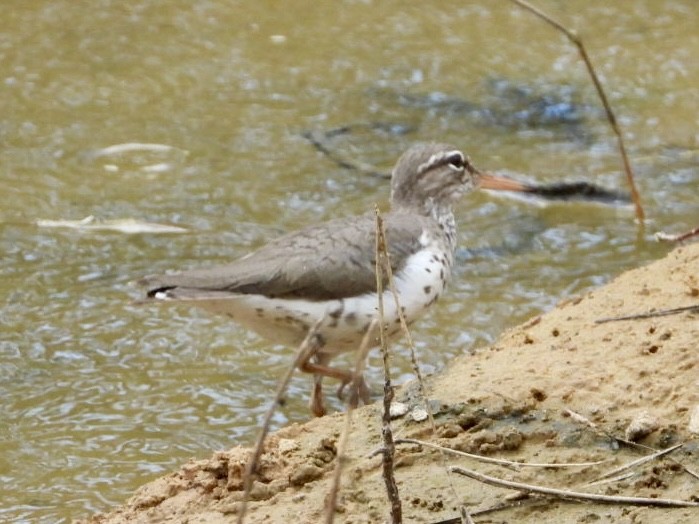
{"x": 328, "y": 261}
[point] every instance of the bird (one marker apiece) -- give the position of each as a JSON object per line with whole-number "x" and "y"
{"x": 323, "y": 277}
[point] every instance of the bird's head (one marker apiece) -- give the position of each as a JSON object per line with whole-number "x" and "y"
{"x": 430, "y": 177}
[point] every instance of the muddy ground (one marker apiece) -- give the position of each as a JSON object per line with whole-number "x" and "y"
{"x": 559, "y": 389}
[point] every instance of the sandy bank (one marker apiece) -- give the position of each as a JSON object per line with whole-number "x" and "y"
{"x": 508, "y": 401}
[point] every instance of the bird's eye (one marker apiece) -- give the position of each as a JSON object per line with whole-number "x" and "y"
{"x": 456, "y": 161}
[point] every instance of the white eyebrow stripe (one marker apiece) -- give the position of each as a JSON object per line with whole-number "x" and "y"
{"x": 438, "y": 158}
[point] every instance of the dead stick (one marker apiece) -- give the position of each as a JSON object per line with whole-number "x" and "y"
{"x": 304, "y": 351}
{"x": 572, "y": 495}
{"x": 411, "y": 345}
{"x": 651, "y": 314}
{"x": 500, "y": 462}
{"x": 502, "y": 506}
{"x": 362, "y": 167}
{"x": 465, "y": 516}
{"x": 357, "y": 377}
{"x": 388, "y": 445}
{"x": 667, "y": 237}
{"x": 634, "y": 445}
{"x": 635, "y": 197}
{"x": 640, "y": 461}
{"x": 611, "y": 480}
{"x": 581, "y": 419}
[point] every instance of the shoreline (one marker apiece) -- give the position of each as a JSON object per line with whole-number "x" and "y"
{"x": 559, "y": 388}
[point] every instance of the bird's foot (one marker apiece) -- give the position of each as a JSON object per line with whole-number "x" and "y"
{"x": 316, "y": 404}
{"x": 361, "y": 392}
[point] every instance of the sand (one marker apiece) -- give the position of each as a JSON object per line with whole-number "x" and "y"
{"x": 560, "y": 388}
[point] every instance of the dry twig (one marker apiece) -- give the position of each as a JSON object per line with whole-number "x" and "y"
{"x": 618, "y": 478}
{"x": 465, "y": 517}
{"x": 581, "y": 419}
{"x": 389, "y": 448}
{"x": 305, "y": 350}
{"x": 575, "y": 39}
{"x": 668, "y": 237}
{"x": 572, "y": 495}
{"x": 651, "y": 314}
{"x": 635, "y": 445}
{"x": 354, "y": 165}
{"x": 359, "y": 365}
{"x": 501, "y": 462}
{"x": 502, "y": 506}
{"x": 640, "y": 461}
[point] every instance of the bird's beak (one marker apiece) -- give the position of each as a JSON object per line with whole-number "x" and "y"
{"x": 499, "y": 183}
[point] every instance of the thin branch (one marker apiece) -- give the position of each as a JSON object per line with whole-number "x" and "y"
{"x": 651, "y": 314}
{"x": 411, "y": 345}
{"x": 577, "y": 417}
{"x": 618, "y": 478}
{"x": 359, "y": 365}
{"x": 635, "y": 197}
{"x": 353, "y": 165}
{"x": 465, "y": 516}
{"x": 389, "y": 448}
{"x": 640, "y": 461}
{"x": 572, "y": 495}
{"x": 501, "y": 462}
{"x": 668, "y": 237}
{"x": 305, "y": 350}
{"x": 501, "y": 506}
{"x": 634, "y": 445}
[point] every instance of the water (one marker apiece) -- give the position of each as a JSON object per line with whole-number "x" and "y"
{"x": 98, "y": 395}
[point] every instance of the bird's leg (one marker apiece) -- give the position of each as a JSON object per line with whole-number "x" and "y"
{"x": 363, "y": 392}
{"x": 341, "y": 389}
{"x": 315, "y": 344}
{"x": 320, "y": 369}
{"x": 316, "y": 402}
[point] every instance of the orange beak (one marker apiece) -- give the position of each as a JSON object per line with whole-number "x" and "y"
{"x": 500, "y": 183}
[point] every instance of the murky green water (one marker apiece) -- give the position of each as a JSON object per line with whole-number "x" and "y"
{"x": 98, "y": 396}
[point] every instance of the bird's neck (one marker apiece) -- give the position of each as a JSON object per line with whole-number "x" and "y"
{"x": 441, "y": 213}
{"x": 448, "y": 226}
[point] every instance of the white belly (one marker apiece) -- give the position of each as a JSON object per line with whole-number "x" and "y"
{"x": 287, "y": 321}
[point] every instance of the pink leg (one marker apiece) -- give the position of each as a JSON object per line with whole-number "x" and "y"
{"x": 320, "y": 369}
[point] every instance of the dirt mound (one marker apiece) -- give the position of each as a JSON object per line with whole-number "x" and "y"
{"x": 561, "y": 388}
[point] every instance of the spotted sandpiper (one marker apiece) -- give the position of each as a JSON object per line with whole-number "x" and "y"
{"x": 324, "y": 275}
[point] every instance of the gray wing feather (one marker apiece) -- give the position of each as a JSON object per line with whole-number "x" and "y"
{"x": 327, "y": 261}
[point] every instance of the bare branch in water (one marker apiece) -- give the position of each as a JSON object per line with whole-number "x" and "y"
{"x": 635, "y": 196}
{"x": 667, "y": 237}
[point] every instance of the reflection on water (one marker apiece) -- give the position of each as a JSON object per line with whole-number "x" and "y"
{"x": 97, "y": 394}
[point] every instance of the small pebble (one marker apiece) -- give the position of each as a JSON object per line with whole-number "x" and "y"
{"x": 419, "y": 414}
{"x": 641, "y": 426}
{"x": 398, "y": 409}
